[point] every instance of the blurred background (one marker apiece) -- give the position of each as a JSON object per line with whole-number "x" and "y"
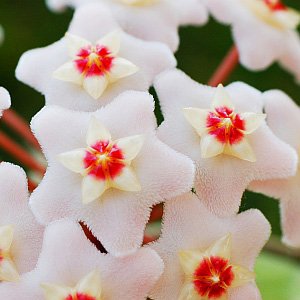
{"x": 28, "y": 24}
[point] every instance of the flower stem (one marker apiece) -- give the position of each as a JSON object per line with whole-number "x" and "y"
{"x": 16, "y": 122}
{"x": 19, "y": 153}
{"x": 226, "y": 67}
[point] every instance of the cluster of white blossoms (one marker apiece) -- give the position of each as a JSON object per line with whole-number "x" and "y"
{"x": 109, "y": 163}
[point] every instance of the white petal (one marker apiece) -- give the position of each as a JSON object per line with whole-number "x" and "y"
{"x": 241, "y": 150}
{"x": 75, "y": 43}
{"x": 112, "y": 41}
{"x": 241, "y": 276}
{"x": 67, "y": 72}
{"x": 55, "y": 292}
{"x": 90, "y": 285}
{"x": 95, "y": 85}
{"x": 221, "y": 247}
{"x": 121, "y": 68}
{"x": 73, "y": 160}
{"x": 127, "y": 181}
{"x": 252, "y": 121}
{"x": 210, "y": 146}
{"x": 8, "y": 271}
{"x": 96, "y": 132}
{"x": 92, "y": 188}
{"x": 188, "y": 292}
{"x": 197, "y": 118}
{"x": 4, "y": 99}
{"x": 221, "y": 98}
{"x": 130, "y": 146}
{"x": 189, "y": 260}
{"x": 6, "y": 237}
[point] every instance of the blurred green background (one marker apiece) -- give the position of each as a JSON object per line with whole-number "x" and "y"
{"x": 28, "y": 24}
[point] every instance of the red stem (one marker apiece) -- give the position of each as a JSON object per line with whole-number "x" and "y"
{"x": 19, "y": 153}
{"x": 226, "y": 67}
{"x": 16, "y": 122}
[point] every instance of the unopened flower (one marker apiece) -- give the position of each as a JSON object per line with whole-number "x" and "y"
{"x": 264, "y": 31}
{"x": 108, "y": 169}
{"x": 93, "y": 63}
{"x": 4, "y": 100}
{"x": 207, "y": 257}
{"x": 20, "y": 234}
{"x": 224, "y": 132}
{"x": 284, "y": 121}
{"x": 153, "y": 20}
{"x": 70, "y": 268}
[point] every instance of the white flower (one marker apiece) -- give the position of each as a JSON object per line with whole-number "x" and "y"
{"x": 146, "y": 170}
{"x": 4, "y": 100}
{"x": 207, "y": 257}
{"x": 70, "y": 267}
{"x": 263, "y": 30}
{"x": 239, "y": 130}
{"x": 93, "y": 63}
{"x": 152, "y": 20}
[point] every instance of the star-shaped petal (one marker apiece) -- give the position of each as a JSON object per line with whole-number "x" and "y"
{"x": 284, "y": 121}
{"x": 70, "y": 267}
{"x": 94, "y": 62}
{"x": 20, "y": 234}
{"x": 207, "y": 257}
{"x": 273, "y": 158}
{"x": 118, "y": 217}
{"x": 270, "y": 26}
{"x": 152, "y": 20}
{"x": 4, "y": 100}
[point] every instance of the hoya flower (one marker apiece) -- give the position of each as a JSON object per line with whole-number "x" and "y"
{"x": 207, "y": 257}
{"x": 4, "y": 100}
{"x": 153, "y": 20}
{"x": 20, "y": 235}
{"x": 108, "y": 169}
{"x": 71, "y": 268}
{"x": 284, "y": 121}
{"x": 223, "y": 130}
{"x": 264, "y": 31}
{"x": 93, "y": 63}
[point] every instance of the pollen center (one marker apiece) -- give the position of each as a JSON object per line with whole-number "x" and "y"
{"x": 104, "y": 160}
{"x": 80, "y": 296}
{"x": 213, "y": 277}
{"x": 94, "y": 61}
{"x": 225, "y": 125}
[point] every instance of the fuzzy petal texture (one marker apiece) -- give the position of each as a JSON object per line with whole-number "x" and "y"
{"x": 118, "y": 218}
{"x": 188, "y": 225}
{"x": 129, "y": 277}
{"x": 15, "y": 212}
{"x": 274, "y": 158}
{"x": 4, "y": 100}
{"x": 158, "y": 21}
{"x": 259, "y": 43}
{"x": 284, "y": 121}
{"x": 151, "y": 58}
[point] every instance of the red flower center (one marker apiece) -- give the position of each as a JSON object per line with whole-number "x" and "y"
{"x": 94, "y": 61}
{"x": 225, "y": 125}
{"x": 80, "y": 296}
{"x": 275, "y": 5}
{"x": 104, "y": 160}
{"x": 213, "y": 277}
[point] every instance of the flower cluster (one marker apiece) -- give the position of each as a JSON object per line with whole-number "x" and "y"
{"x": 108, "y": 163}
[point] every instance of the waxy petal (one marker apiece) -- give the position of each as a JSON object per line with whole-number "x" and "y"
{"x": 4, "y": 99}
{"x": 67, "y": 72}
{"x": 210, "y": 146}
{"x": 75, "y": 43}
{"x": 242, "y": 150}
{"x": 188, "y": 292}
{"x": 97, "y": 132}
{"x": 91, "y": 285}
{"x": 56, "y": 292}
{"x": 252, "y": 121}
{"x": 92, "y": 188}
{"x": 221, "y": 247}
{"x": 131, "y": 146}
{"x": 6, "y": 237}
{"x": 197, "y": 118}
{"x": 95, "y": 85}
{"x": 221, "y": 98}
{"x": 127, "y": 181}
{"x": 189, "y": 260}
{"x": 121, "y": 68}
{"x": 73, "y": 160}
{"x": 8, "y": 271}
{"x": 112, "y": 41}
{"x": 241, "y": 276}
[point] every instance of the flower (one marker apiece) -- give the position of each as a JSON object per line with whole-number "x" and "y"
{"x": 152, "y": 20}
{"x": 284, "y": 121}
{"x": 80, "y": 271}
{"x": 207, "y": 257}
{"x": 92, "y": 55}
{"x": 4, "y": 100}
{"x": 229, "y": 121}
{"x": 20, "y": 235}
{"x": 117, "y": 217}
{"x": 264, "y": 31}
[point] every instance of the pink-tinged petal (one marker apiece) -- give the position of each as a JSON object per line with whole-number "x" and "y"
{"x": 92, "y": 188}
{"x": 197, "y": 118}
{"x": 120, "y": 214}
{"x": 121, "y": 68}
{"x": 210, "y": 146}
{"x": 95, "y": 85}
{"x": 131, "y": 146}
{"x": 73, "y": 160}
{"x": 127, "y": 181}
{"x": 252, "y": 121}
{"x": 4, "y": 99}
{"x": 14, "y": 211}
{"x": 97, "y": 132}
{"x": 67, "y": 72}
{"x": 127, "y": 277}
{"x": 246, "y": 292}
{"x": 112, "y": 41}
{"x": 189, "y": 225}
{"x": 75, "y": 43}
